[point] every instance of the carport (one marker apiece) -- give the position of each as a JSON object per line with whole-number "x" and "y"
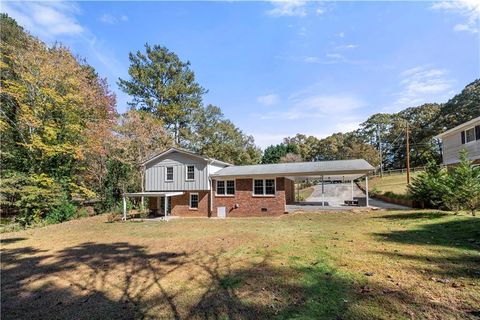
{"x": 325, "y": 171}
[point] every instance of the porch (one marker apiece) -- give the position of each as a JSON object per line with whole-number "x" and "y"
{"x": 163, "y": 201}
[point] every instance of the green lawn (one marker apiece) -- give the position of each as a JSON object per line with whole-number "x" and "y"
{"x": 396, "y": 183}
{"x": 304, "y": 193}
{"x": 377, "y": 265}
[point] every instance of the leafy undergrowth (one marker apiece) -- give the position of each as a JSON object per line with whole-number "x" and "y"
{"x": 381, "y": 265}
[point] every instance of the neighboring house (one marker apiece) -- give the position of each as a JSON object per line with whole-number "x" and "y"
{"x": 181, "y": 183}
{"x": 463, "y": 137}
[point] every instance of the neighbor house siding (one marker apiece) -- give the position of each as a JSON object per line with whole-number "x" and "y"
{"x": 155, "y": 173}
{"x": 244, "y": 203}
{"x": 452, "y": 145}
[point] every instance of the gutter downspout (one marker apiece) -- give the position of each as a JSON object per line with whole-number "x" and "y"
{"x": 210, "y": 182}
{"x": 143, "y": 186}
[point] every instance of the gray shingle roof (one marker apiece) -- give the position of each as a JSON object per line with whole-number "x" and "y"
{"x": 337, "y": 167}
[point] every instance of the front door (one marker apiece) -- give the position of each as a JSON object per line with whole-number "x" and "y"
{"x": 162, "y": 205}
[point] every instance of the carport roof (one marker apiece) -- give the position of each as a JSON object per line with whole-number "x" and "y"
{"x": 302, "y": 169}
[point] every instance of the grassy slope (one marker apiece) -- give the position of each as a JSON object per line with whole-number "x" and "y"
{"x": 396, "y": 183}
{"x": 305, "y": 193}
{"x": 303, "y": 266}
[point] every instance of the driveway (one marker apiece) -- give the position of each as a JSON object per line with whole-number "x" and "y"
{"x": 337, "y": 193}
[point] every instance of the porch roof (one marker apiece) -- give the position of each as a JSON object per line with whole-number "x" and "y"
{"x": 153, "y": 194}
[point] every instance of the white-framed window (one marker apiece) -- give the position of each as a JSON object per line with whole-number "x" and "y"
{"x": 264, "y": 187}
{"x": 470, "y": 135}
{"x": 190, "y": 172}
{"x": 168, "y": 173}
{"x": 194, "y": 201}
{"x": 225, "y": 188}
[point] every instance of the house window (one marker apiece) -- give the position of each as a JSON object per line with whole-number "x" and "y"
{"x": 193, "y": 200}
{"x": 190, "y": 172}
{"x": 258, "y": 187}
{"x": 264, "y": 187}
{"x": 270, "y": 186}
{"x": 230, "y": 187}
{"x": 225, "y": 187}
{"x": 470, "y": 135}
{"x": 169, "y": 174}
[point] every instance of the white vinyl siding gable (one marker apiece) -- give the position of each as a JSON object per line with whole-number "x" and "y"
{"x": 156, "y": 173}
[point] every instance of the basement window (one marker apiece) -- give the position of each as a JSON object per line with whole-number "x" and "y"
{"x": 193, "y": 200}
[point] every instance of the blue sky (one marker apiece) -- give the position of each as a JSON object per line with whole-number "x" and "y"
{"x": 281, "y": 68}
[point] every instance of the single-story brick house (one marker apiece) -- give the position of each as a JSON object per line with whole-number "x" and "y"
{"x": 182, "y": 183}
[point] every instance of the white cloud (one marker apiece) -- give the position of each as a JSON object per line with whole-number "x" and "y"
{"x": 317, "y": 106}
{"x": 108, "y": 18}
{"x": 329, "y": 58}
{"x": 347, "y": 46}
{"x": 57, "y": 20}
{"x": 421, "y": 85}
{"x": 46, "y": 19}
{"x": 302, "y": 32}
{"x": 341, "y": 34}
{"x": 268, "y": 100}
{"x": 288, "y": 8}
{"x": 470, "y": 9}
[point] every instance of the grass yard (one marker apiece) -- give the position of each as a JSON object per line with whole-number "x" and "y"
{"x": 377, "y": 265}
{"x": 396, "y": 183}
{"x": 304, "y": 193}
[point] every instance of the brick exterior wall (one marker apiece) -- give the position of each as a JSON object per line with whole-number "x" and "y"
{"x": 181, "y": 204}
{"x": 289, "y": 191}
{"x": 250, "y": 205}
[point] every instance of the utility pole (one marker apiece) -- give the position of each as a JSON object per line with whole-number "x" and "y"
{"x": 380, "y": 150}
{"x": 408, "y": 154}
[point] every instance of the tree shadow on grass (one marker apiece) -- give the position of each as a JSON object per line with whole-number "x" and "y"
{"x": 463, "y": 233}
{"x": 413, "y": 216}
{"x": 11, "y": 240}
{"x": 459, "y": 266}
{"x": 125, "y": 281}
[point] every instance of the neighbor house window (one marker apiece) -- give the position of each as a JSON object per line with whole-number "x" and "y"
{"x": 225, "y": 187}
{"x": 169, "y": 174}
{"x": 470, "y": 135}
{"x": 263, "y": 187}
{"x": 193, "y": 200}
{"x": 190, "y": 172}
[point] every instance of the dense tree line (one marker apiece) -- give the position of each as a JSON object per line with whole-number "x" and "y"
{"x": 63, "y": 142}
{"x": 387, "y": 132}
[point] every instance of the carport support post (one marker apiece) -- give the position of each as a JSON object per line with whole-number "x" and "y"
{"x": 323, "y": 193}
{"x": 124, "y": 208}
{"x": 165, "y": 207}
{"x": 351, "y": 182}
{"x": 366, "y": 188}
